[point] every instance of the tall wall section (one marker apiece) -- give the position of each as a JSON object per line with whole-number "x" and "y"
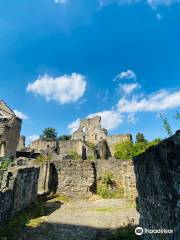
{"x": 158, "y": 184}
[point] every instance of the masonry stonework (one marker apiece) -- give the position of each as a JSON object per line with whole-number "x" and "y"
{"x": 158, "y": 185}
{"x": 10, "y": 127}
{"x": 18, "y": 189}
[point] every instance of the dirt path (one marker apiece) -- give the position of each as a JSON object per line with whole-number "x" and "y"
{"x": 83, "y": 220}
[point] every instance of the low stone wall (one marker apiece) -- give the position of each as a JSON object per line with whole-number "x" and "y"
{"x": 123, "y": 174}
{"x": 76, "y": 179}
{"x": 18, "y": 191}
{"x": 158, "y": 184}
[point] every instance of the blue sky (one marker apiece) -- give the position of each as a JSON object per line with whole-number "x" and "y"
{"x": 65, "y": 60}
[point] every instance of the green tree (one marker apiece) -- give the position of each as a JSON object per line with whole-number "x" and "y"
{"x": 166, "y": 125}
{"x": 49, "y": 133}
{"x": 64, "y": 137}
{"x": 124, "y": 150}
{"x": 140, "y": 138}
{"x": 154, "y": 142}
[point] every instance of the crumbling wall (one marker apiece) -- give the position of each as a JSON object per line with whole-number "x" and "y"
{"x": 18, "y": 190}
{"x": 43, "y": 145}
{"x": 158, "y": 184}
{"x": 75, "y": 178}
{"x": 90, "y": 130}
{"x": 122, "y": 173}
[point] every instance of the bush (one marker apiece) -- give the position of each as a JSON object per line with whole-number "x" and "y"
{"x": 107, "y": 187}
{"x": 124, "y": 150}
{"x": 90, "y": 158}
{"x": 5, "y": 163}
{"x": 74, "y": 155}
{"x": 43, "y": 158}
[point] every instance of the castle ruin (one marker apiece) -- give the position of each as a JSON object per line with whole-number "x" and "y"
{"x": 10, "y": 126}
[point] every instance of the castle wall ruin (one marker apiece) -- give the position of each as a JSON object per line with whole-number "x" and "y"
{"x": 18, "y": 189}
{"x": 158, "y": 184}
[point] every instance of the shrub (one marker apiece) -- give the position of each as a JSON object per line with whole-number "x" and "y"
{"x": 90, "y": 157}
{"x": 43, "y": 158}
{"x": 124, "y": 150}
{"x": 74, "y": 155}
{"x": 5, "y": 163}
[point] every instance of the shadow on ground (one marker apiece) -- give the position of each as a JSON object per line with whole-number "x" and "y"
{"x": 53, "y": 231}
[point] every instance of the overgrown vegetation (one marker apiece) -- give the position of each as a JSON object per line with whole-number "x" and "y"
{"x": 74, "y": 155}
{"x": 64, "y": 138}
{"x": 107, "y": 187}
{"x": 15, "y": 226}
{"x": 127, "y": 150}
{"x": 5, "y": 163}
{"x": 43, "y": 158}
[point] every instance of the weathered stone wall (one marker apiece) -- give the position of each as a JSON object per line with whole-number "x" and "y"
{"x": 21, "y": 144}
{"x": 75, "y": 178}
{"x": 123, "y": 174}
{"x": 43, "y": 145}
{"x": 90, "y": 130}
{"x": 158, "y": 184}
{"x": 18, "y": 190}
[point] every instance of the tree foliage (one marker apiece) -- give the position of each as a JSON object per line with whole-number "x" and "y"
{"x": 166, "y": 125}
{"x": 126, "y": 150}
{"x": 140, "y": 138}
{"x": 64, "y": 137}
{"x": 49, "y": 133}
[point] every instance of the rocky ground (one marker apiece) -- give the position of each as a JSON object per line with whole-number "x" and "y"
{"x": 83, "y": 220}
{"x": 61, "y": 219}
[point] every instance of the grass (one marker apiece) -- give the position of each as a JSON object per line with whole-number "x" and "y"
{"x": 59, "y": 198}
{"x": 126, "y": 233}
{"x": 32, "y": 217}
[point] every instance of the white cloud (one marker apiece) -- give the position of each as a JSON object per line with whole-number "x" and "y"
{"x": 131, "y": 118}
{"x": 128, "y": 88}
{"x": 31, "y": 138}
{"x": 157, "y": 101}
{"x": 152, "y": 3}
{"x": 20, "y": 115}
{"x": 129, "y": 74}
{"x": 110, "y": 119}
{"x": 74, "y": 125}
{"x": 63, "y": 89}
{"x": 60, "y": 1}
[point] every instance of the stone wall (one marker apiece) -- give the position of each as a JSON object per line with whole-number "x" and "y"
{"x": 158, "y": 184}
{"x": 18, "y": 190}
{"x": 44, "y": 145}
{"x": 75, "y": 178}
{"x": 122, "y": 172}
{"x": 21, "y": 144}
{"x": 90, "y": 130}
